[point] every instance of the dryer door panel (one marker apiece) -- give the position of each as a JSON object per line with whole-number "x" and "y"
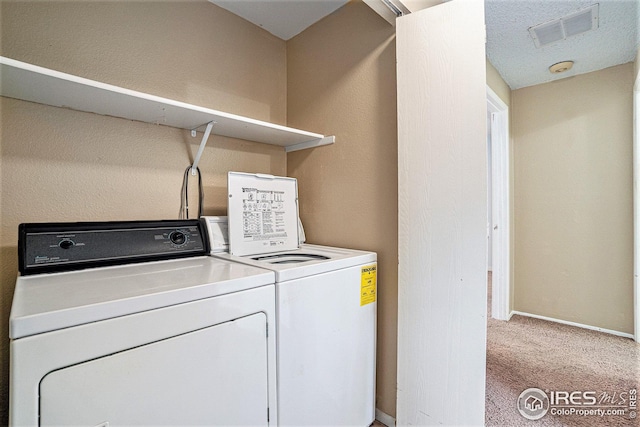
{"x": 212, "y": 376}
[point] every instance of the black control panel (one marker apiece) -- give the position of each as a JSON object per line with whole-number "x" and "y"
{"x": 51, "y": 247}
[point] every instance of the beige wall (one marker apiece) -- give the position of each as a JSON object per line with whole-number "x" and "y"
{"x": 497, "y": 84}
{"x": 60, "y": 165}
{"x": 573, "y": 199}
{"x": 341, "y": 80}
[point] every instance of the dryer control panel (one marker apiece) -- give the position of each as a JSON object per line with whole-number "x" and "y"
{"x": 50, "y": 247}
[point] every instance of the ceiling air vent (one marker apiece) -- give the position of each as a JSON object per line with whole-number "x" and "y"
{"x": 567, "y": 26}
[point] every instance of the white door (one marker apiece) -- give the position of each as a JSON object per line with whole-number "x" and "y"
{"x": 442, "y": 168}
{"x": 213, "y": 376}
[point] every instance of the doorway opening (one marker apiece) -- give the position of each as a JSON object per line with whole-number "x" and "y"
{"x": 498, "y": 232}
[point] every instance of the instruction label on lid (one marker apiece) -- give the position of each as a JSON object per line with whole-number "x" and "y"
{"x": 368, "y": 279}
{"x": 263, "y": 213}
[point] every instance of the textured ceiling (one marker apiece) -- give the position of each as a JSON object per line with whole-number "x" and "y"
{"x": 510, "y": 47}
{"x": 282, "y": 18}
{"x": 513, "y": 53}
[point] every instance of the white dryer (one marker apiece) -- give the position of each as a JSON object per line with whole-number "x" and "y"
{"x": 187, "y": 341}
{"x": 325, "y": 301}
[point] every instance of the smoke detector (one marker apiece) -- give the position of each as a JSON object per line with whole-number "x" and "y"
{"x": 570, "y": 25}
{"x": 561, "y": 67}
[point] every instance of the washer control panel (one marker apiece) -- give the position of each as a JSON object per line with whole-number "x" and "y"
{"x": 49, "y": 247}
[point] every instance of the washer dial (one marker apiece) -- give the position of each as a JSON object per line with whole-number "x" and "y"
{"x": 178, "y": 238}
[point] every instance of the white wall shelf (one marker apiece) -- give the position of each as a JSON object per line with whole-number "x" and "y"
{"x": 29, "y": 82}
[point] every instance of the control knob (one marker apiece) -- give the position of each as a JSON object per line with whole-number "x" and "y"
{"x": 66, "y": 244}
{"x": 178, "y": 238}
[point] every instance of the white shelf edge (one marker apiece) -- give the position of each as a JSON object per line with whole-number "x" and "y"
{"x": 327, "y": 140}
{"x": 28, "y": 82}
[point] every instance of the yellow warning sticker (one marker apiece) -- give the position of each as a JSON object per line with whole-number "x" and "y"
{"x": 368, "y": 277}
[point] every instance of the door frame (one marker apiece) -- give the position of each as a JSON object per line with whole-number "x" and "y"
{"x": 500, "y": 248}
{"x": 636, "y": 207}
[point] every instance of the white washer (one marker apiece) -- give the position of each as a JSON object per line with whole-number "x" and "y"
{"x": 325, "y": 300}
{"x": 326, "y": 334}
{"x": 175, "y": 342}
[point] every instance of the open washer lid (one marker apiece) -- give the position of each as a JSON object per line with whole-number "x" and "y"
{"x": 263, "y": 213}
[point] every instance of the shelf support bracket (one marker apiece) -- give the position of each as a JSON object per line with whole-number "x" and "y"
{"x": 205, "y": 138}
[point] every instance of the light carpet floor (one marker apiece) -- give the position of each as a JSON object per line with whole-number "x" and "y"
{"x": 525, "y": 352}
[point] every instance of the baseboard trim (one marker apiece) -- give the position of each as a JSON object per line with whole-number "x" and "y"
{"x": 579, "y": 325}
{"x": 385, "y": 419}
